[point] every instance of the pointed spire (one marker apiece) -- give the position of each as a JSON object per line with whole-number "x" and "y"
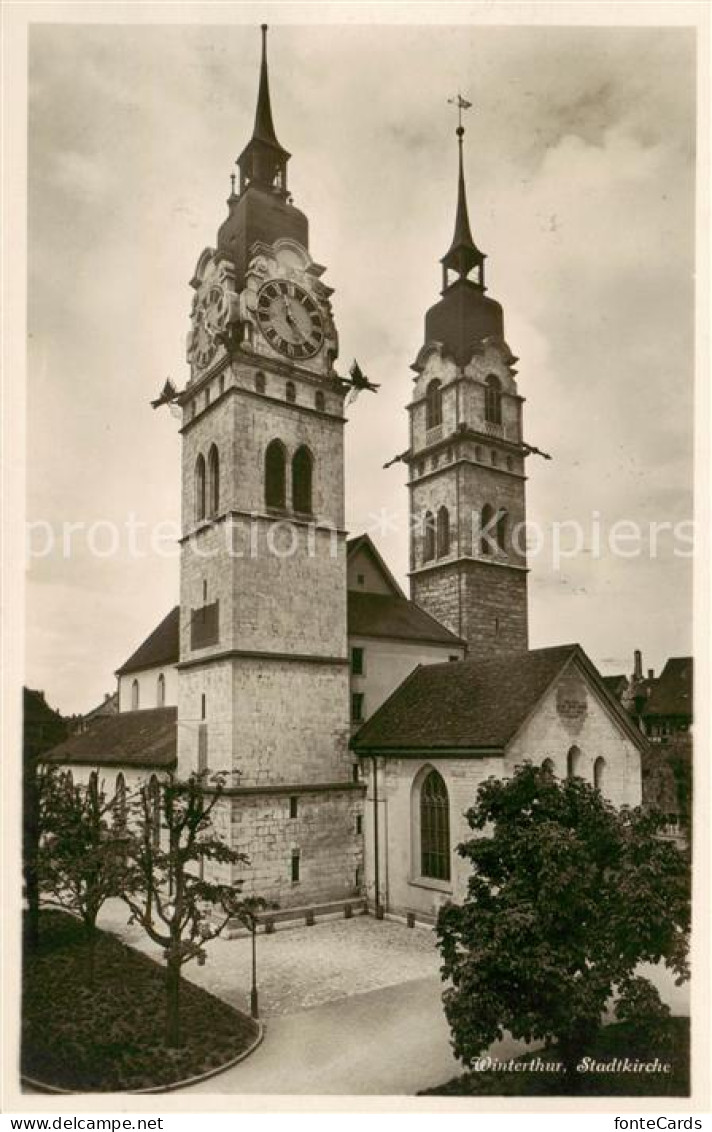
{"x": 463, "y": 253}
{"x": 263, "y": 161}
{"x": 264, "y": 126}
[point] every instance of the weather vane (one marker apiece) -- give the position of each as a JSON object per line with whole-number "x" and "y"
{"x": 462, "y": 104}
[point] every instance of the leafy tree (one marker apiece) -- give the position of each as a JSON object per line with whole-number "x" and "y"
{"x": 82, "y": 853}
{"x": 172, "y": 839}
{"x": 567, "y": 896}
{"x": 43, "y": 728}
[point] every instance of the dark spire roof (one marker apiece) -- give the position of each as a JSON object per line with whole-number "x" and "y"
{"x": 264, "y": 126}
{"x": 463, "y": 254}
{"x": 263, "y": 159}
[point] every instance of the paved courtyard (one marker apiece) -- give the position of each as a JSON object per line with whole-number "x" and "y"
{"x": 351, "y": 1007}
{"x": 300, "y": 967}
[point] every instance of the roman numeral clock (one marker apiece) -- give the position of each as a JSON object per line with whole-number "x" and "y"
{"x": 285, "y": 307}
{"x": 290, "y": 319}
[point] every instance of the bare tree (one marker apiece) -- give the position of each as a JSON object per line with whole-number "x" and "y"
{"x": 171, "y": 840}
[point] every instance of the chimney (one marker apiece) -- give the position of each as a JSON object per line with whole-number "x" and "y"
{"x": 651, "y": 674}
{"x": 637, "y": 665}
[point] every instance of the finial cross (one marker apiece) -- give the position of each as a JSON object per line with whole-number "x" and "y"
{"x": 462, "y": 104}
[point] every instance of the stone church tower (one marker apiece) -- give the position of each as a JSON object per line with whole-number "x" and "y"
{"x": 466, "y": 460}
{"x": 263, "y": 672}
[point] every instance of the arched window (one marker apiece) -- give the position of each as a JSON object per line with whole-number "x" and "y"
{"x": 291, "y": 392}
{"x": 200, "y": 488}
{"x": 320, "y": 400}
{"x": 214, "y": 480}
{"x": 161, "y": 691}
{"x": 302, "y": 465}
{"x": 548, "y": 768}
{"x": 599, "y": 772}
{"x": 154, "y": 810}
{"x": 443, "y": 532}
{"x": 433, "y": 404}
{"x": 134, "y": 696}
{"x": 501, "y": 529}
{"x": 120, "y": 802}
{"x": 428, "y": 536}
{"x": 493, "y": 399}
{"x": 275, "y": 475}
{"x": 434, "y": 828}
{"x": 260, "y": 382}
{"x": 486, "y": 532}
{"x": 573, "y": 762}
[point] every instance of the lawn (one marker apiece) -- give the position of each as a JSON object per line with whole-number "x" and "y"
{"x": 109, "y": 1038}
{"x": 615, "y": 1041}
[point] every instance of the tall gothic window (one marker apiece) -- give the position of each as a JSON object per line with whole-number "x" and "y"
{"x": 134, "y": 696}
{"x": 599, "y": 771}
{"x": 200, "y": 488}
{"x": 320, "y": 401}
{"x": 493, "y": 399}
{"x": 428, "y": 536}
{"x": 214, "y": 480}
{"x": 275, "y": 475}
{"x": 434, "y": 828}
{"x": 260, "y": 382}
{"x": 302, "y": 465}
{"x": 161, "y": 691}
{"x": 291, "y": 392}
{"x": 443, "y": 531}
{"x": 573, "y": 762}
{"x": 486, "y": 532}
{"x": 433, "y": 404}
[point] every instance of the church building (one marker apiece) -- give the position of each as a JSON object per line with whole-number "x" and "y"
{"x": 357, "y": 722}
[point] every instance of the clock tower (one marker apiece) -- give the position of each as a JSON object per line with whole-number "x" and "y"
{"x": 263, "y": 688}
{"x": 466, "y": 459}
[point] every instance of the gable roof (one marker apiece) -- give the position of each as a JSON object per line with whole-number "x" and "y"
{"x": 365, "y": 542}
{"x": 130, "y": 738}
{"x": 672, "y": 693}
{"x": 384, "y": 615}
{"x": 162, "y": 646}
{"x": 474, "y": 705}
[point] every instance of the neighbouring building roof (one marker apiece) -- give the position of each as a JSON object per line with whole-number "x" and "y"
{"x": 130, "y": 738}
{"x": 474, "y": 705}
{"x": 108, "y": 706}
{"x": 616, "y": 684}
{"x": 384, "y": 615}
{"x": 672, "y": 694}
{"x": 162, "y": 646}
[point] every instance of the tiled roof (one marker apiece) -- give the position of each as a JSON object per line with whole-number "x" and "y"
{"x": 385, "y": 615}
{"x": 161, "y": 647}
{"x": 369, "y": 615}
{"x": 130, "y": 738}
{"x": 473, "y": 704}
{"x": 672, "y": 694}
{"x": 476, "y": 705}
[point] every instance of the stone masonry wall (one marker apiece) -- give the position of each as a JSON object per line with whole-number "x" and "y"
{"x": 323, "y": 833}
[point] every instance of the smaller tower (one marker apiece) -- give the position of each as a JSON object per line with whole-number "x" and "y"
{"x": 466, "y": 458}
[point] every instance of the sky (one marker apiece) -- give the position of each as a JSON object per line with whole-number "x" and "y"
{"x": 580, "y": 168}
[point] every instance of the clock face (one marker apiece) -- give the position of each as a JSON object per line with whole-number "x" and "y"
{"x": 208, "y": 319}
{"x": 290, "y": 319}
